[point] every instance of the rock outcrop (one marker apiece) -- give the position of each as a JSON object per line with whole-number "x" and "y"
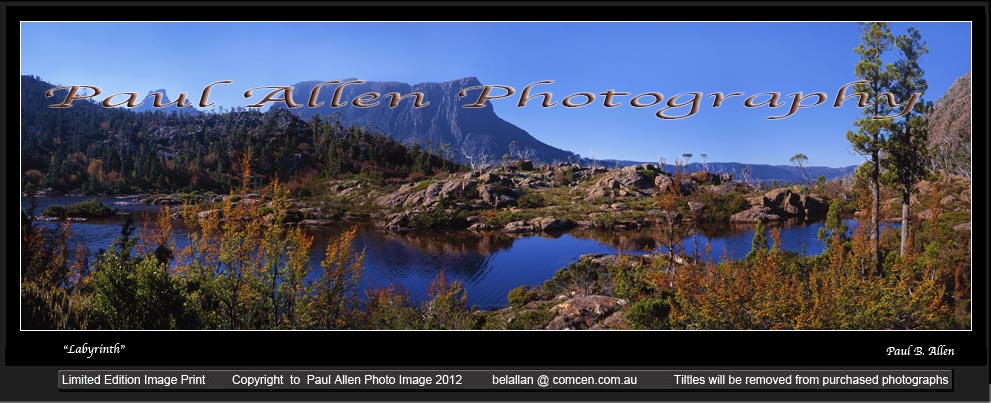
{"x": 584, "y": 312}
{"x": 498, "y": 195}
{"x": 540, "y": 224}
{"x": 635, "y": 181}
{"x": 429, "y": 196}
{"x": 779, "y": 204}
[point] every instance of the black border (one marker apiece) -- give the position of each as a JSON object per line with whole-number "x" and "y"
{"x": 446, "y": 349}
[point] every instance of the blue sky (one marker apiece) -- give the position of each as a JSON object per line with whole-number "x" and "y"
{"x": 669, "y": 58}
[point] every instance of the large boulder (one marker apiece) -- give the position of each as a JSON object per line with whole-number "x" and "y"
{"x": 479, "y": 227}
{"x": 785, "y": 203}
{"x": 813, "y": 206}
{"x": 497, "y": 195}
{"x": 520, "y": 227}
{"x": 663, "y": 182}
{"x": 755, "y": 214}
{"x": 398, "y": 221}
{"x": 552, "y": 223}
{"x": 538, "y": 224}
{"x": 634, "y": 177}
{"x": 409, "y": 196}
{"x": 615, "y": 321}
{"x": 489, "y": 178}
{"x": 396, "y": 198}
{"x": 598, "y": 193}
{"x": 425, "y": 198}
{"x": 583, "y": 312}
{"x": 604, "y": 260}
{"x": 167, "y": 200}
{"x": 783, "y": 199}
{"x": 628, "y": 181}
{"x": 703, "y": 177}
{"x": 454, "y": 190}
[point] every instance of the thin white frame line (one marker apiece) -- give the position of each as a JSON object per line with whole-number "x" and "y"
{"x": 21, "y": 162}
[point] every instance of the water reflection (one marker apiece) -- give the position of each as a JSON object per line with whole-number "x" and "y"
{"x": 489, "y": 264}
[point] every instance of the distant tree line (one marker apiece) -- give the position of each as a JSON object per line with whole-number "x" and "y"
{"x": 91, "y": 149}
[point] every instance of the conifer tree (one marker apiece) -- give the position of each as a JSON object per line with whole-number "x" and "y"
{"x": 869, "y": 138}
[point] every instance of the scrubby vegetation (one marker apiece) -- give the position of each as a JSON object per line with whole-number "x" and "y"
{"x": 926, "y": 288}
{"x": 242, "y": 269}
{"x": 87, "y": 208}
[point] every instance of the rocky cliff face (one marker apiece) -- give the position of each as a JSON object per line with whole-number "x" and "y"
{"x": 950, "y": 128}
{"x": 443, "y": 122}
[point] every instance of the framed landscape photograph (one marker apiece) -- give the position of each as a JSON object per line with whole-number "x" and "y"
{"x": 315, "y": 183}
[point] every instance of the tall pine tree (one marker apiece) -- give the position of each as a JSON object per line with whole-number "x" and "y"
{"x": 869, "y": 138}
{"x": 907, "y": 152}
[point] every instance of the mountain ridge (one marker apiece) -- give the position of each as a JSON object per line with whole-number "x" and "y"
{"x": 441, "y": 122}
{"x": 763, "y": 172}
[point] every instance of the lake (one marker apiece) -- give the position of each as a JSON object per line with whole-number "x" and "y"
{"x": 488, "y": 264}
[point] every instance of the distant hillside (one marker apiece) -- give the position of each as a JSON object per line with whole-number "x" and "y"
{"x": 950, "y": 127}
{"x": 444, "y": 123}
{"x": 759, "y": 172}
{"x": 92, "y": 149}
{"x": 144, "y": 151}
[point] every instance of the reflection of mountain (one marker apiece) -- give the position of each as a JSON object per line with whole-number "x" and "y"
{"x": 463, "y": 256}
{"x": 633, "y": 241}
{"x": 453, "y": 244}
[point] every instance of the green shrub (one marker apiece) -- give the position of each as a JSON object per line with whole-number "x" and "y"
{"x": 564, "y": 175}
{"x": 537, "y": 319}
{"x": 371, "y": 177}
{"x": 717, "y": 207}
{"x": 504, "y": 217}
{"x": 422, "y": 185}
{"x": 189, "y": 197}
{"x": 581, "y": 276}
{"x": 531, "y": 200}
{"x": 88, "y": 208}
{"x": 628, "y": 282}
{"x": 649, "y": 175}
{"x": 604, "y": 220}
{"x": 649, "y": 313}
{"x": 522, "y": 295}
{"x": 438, "y": 219}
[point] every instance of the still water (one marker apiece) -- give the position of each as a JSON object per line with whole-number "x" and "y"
{"x": 489, "y": 264}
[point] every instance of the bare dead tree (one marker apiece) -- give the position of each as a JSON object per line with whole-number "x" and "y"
{"x": 475, "y": 151}
{"x": 747, "y": 175}
{"x": 514, "y": 149}
{"x": 527, "y": 153}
